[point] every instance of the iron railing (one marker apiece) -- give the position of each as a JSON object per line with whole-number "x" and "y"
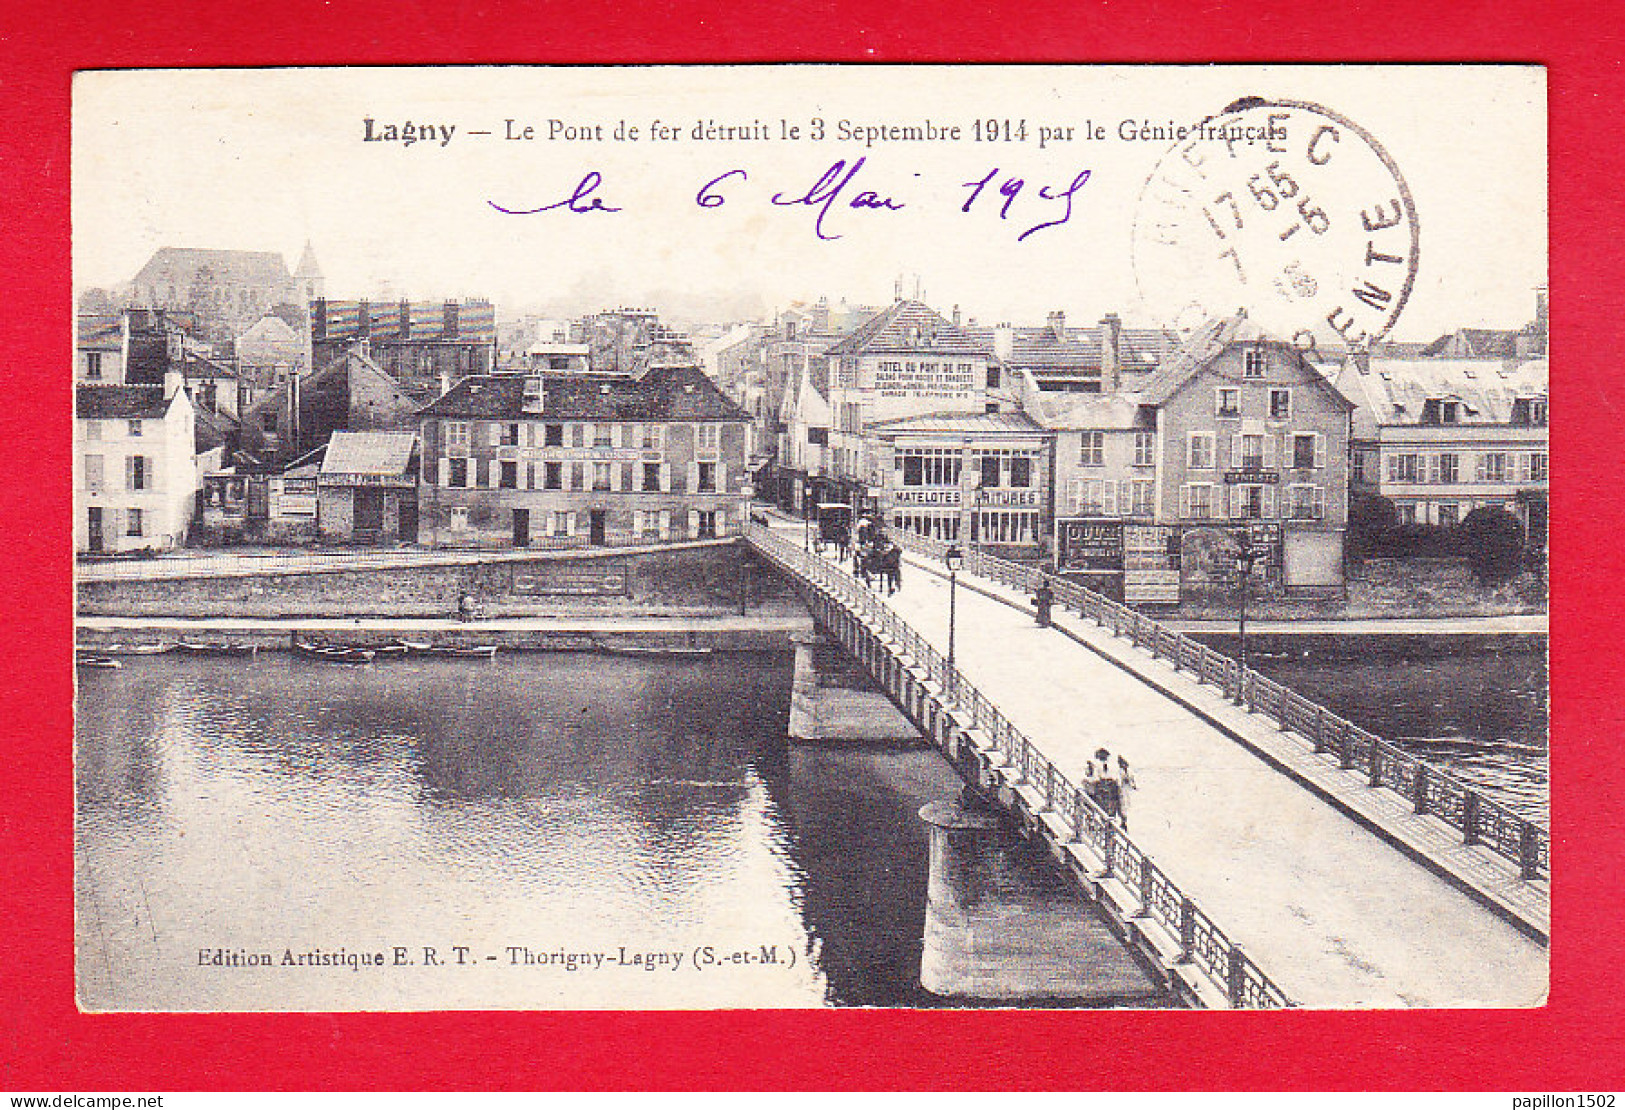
{"x": 1202, "y": 944}
{"x": 1430, "y": 789}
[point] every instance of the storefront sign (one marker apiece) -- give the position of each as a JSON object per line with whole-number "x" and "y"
{"x": 589, "y": 454}
{"x": 925, "y": 497}
{"x": 999, "y": 497}
{"x": 573, "y": 581}
{"x": 942, "y": 380}
{"x": 395, "y": 481}
{"x": 1088, "y": 544}
{"x": 1251, "y": 477}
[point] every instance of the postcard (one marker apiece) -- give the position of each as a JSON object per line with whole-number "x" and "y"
{"x": 800, "y": 536}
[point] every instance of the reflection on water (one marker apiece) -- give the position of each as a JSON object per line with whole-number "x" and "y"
{"x": 551, "y": 826}
{"x": 1482, "y": 715}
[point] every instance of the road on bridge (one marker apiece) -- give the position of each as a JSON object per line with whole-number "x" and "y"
{"x": 1331, "y": 911}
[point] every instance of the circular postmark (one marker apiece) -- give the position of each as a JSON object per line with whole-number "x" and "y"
{"x": 1282, "y": 208}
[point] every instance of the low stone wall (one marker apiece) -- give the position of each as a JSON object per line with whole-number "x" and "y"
{"x": 1418, "y": 587}
{"x": 691, "y": 581}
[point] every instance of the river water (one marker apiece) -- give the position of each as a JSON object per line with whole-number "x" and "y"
{"x": 541, "y": 830}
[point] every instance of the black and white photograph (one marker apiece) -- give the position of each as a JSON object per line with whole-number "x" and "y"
{"x": 800, "y": 536}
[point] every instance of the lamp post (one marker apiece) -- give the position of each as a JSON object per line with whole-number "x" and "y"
{"x": 953, "y": 559}
{"x": 806, "y": 514}
{"x": 1246, "y": 556}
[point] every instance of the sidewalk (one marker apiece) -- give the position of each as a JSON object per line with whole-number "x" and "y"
{"x": 1336, "y": 913}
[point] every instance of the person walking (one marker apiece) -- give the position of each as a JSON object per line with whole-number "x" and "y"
{"x": 1108, "y": 791}
{"x": 1125, "y": 787}
{"x": 1043, "y": 601}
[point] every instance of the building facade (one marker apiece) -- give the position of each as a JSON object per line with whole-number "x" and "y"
{"x": 1442, "y": 437}
{"x": 367, "y": 488}
{"x": 135, "y": 473}
{"x": 419, "y": 344}
{"x": 577, "y": 460}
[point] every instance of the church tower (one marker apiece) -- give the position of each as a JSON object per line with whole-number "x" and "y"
{"x": 308, "y": 277}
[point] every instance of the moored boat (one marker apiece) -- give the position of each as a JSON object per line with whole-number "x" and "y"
{"x": 106, "y": 662}
{"x": 127, "y": 649}
{"x": 454, "y": 651}
{"x": 334, "y": 653}
{"x": 197, "y": 648}
{"x": 640, "y": 649}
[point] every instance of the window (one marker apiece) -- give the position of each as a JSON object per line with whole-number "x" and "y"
{"x": 1092, "y": 449}
{"x": 706, "y": 437}
{"x": 992, "y": 377}
{"x": 707, "y": 477}
{"x": 508, "y": 435}
{"x": 1308, "y": 502}
{"x": 603, "y": 435}
{"x": 564, "y": 522}
{"x": 1304, "y": 450}
{"x": 456, "y": 437}
{"x": 1141, "y": 493}
{"x": 553, "y": 435}
{"x": 508, "y": 478}
{"x": 651, "y": 437}
{"x": 1201, "y": 451}
{"x": 1145, "y": 448}
{"x": 1021, "y": 471}
{"x": 1405, "y": 512}
{"x": 1492, "y": 467}
{"x": 1450, "y": 412}
{"x": 93, "y": 365}
{"x": 1252, "y": 452}
{"x": 1248, "y": 502}
{"x": 651, "y": 477}
{"x": 1449, "y": 513}
{"x": 553, "y": 475}
{"x": 1529, "y": 412}
{"x": 707, "y": 524}
{"x": 913, "y": 470}
{"x": 457, "y": 473}
{"x": 137, "y": 472}
{"x": 1280, "y": 404}
{"x": 578, "y": 435}
{"x": 1449, "y": 469}
{"x": 1253, "y": 365}
{"x": 135, "y": 522}
{"x": 1538, "y": 466}
{"x": 600, "y": 476}
{"x": 1404, "y": 468}
{"x": 818, "y": 437}
{"x": 1229, "y": 402}
{"x": 93, "y": 472}
{"x": 929, "y": 466}
{"x": 1198, "y": 501}
{"x": 93, "y": 430}
{"x": 459, "y": 518}
{"x": 133, "y": 427}
{"x": 990, "y": 471}
{"x": 578, "y": 475}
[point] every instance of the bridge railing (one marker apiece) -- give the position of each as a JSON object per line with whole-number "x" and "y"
{"x": 1429, "y": 789}
{"x": 1202, "y": 944}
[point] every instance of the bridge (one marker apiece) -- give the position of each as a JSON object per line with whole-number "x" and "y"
{"x": 1279, "y": 854}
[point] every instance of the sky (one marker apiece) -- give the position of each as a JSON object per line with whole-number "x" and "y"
{"x": 268, "y": 159}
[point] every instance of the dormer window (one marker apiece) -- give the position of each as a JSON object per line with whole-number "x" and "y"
{"x": 1529, "y": 412}
{"x": 1438, "y": 411}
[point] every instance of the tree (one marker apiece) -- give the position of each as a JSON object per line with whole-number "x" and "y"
{"x": 1492, "y": 540}
{"x": 1371, "y": 516}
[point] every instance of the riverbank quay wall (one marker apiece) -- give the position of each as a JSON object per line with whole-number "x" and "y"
{"x": 673, "y": 580}
{"x": 1180, "y": 944}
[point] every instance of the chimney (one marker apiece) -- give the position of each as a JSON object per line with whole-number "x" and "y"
{"x": 363, "y": 318}
{"x": 897, "y": 289}
{"x": 174, "y": 382}
{"x": 445, "y": 382}
{"x": 405, "y": 326}
{"x": 1111, "y": 353}
{"x": 318, "y": 318}
{"x": 956, "y": 316}
{"x": 1057, "y": 326}
{"x": 1360, "y": 355}
{"x": 449, "y": 320}
{"x": 1004, "y": 342}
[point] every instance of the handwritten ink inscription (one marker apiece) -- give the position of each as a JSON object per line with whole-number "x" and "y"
{"x": 844, "y": 187}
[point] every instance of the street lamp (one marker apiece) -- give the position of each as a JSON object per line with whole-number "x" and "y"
{"x": 953, "y": 559}
{"x": 1246, "y": 556}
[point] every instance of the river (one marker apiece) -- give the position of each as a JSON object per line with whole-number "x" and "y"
{"x": 541, "y": 830}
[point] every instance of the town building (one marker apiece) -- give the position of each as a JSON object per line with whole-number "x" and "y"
{"x": 99, "y": 349}
{"x": 1250, "y": 432}
{"x": 1056, "y": 358}
{"x": 574, "y": 460}
{"x": 224, "y": 291}
{"x": 135, "y": 473}
{"x": 349, "y": 393}
{"x": 1442, "y": 437}
{"x": 906, "y": 361}
{"x": 367, "y": 488}
{"x": 421, "y": 345}
{"x": 269, "y": 354}
{"x": 976, "y": 478}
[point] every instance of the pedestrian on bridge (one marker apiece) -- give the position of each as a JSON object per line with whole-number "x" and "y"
{"x": 1125, "y": 787}
{"x": 1043, "y": 601}
{"x": 1107, "y": 790}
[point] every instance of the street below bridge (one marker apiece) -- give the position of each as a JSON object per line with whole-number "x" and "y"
{"x": 1335, "y": 913}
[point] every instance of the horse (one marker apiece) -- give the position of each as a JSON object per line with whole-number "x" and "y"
{"x": 884, "y": 559}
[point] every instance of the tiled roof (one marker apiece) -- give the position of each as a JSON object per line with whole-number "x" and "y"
{"x": 662, "y": 393}
{"x": 1095, "y": 412}
{"x": 958, "y": 423}
{"x": 1204, "y": 345}
{"x": 180, "y": 266}
{"x": 387, "y": 453}
{"x": 909, "y": 327}
{"x": 119, "y": 402}
{"x": 1396, "y": 390}
{"x": 1476, "y": 343}
{"x": 100, "y": 331}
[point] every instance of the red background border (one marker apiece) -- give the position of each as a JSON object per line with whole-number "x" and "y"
{"x": 1574, "y": 1043}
